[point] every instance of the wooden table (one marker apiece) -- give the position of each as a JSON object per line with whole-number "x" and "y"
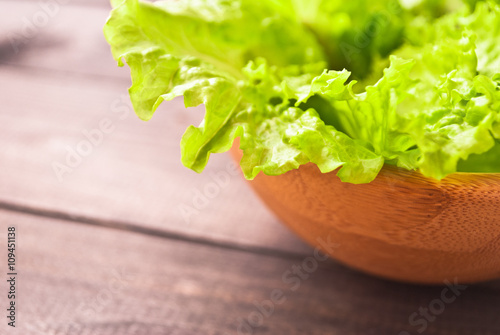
{"x": 122, "y": 242}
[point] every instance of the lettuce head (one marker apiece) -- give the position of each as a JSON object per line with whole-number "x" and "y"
{"x": 409, "y": 83}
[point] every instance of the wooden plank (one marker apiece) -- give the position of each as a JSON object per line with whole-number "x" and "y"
{"x": 104, "y": 281}
{"x": 132, "y": 174}
{"x": 70, "y": 39}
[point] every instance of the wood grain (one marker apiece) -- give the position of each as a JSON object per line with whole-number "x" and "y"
{"x": 104, "y": 281}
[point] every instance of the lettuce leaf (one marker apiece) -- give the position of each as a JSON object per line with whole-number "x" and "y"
{"x": 273, "y": 74}
{"x": 453, "y": 110}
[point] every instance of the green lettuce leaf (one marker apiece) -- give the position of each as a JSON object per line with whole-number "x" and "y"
{"x": 452, "y": 111}
{"x": 354, "y": 38}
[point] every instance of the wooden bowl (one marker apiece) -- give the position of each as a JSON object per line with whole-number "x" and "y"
{"x": 401, "y": 226}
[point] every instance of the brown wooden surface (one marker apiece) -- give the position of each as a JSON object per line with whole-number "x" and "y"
{"x": 119, "y": 211}
{"x": 169, "y": 286}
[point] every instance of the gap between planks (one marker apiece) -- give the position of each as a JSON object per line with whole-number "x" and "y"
{"x": 148, "y": 231}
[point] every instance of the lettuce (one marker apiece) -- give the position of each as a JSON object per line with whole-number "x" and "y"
{"x": 414, "y": 84}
